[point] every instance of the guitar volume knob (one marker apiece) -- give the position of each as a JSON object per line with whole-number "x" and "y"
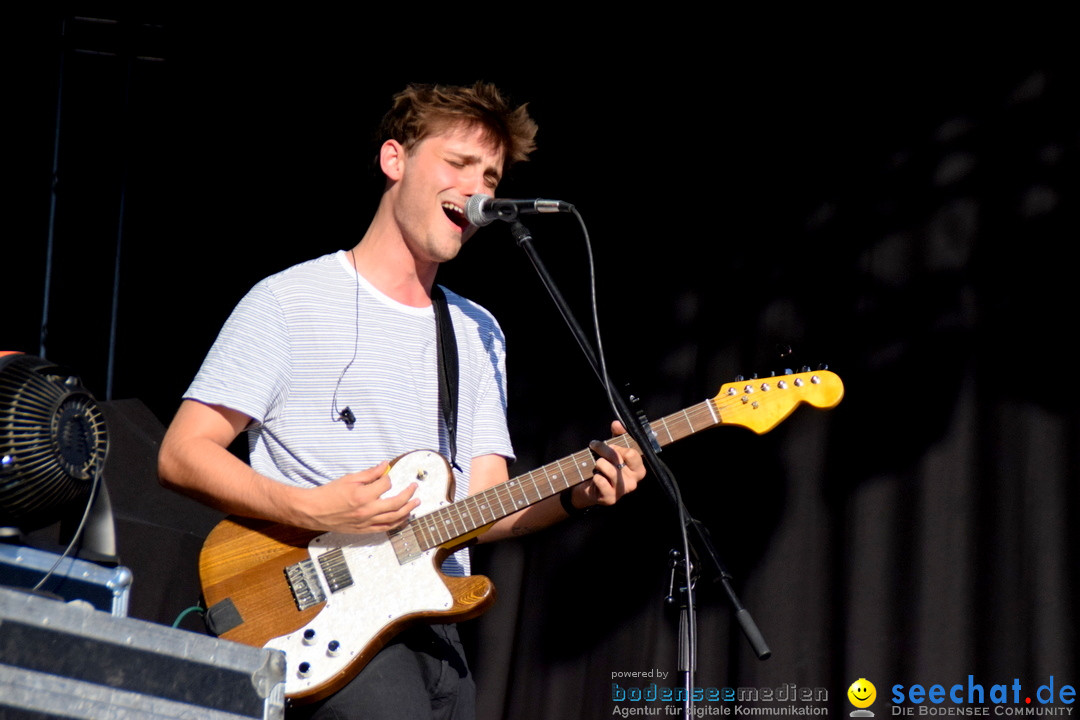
{"x": 333, "y": 648}
{"x": 303, "y": 669}
{"x": 309, "y": 637}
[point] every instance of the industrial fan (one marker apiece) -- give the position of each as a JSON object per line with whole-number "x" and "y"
{"x": 53, "y": 442}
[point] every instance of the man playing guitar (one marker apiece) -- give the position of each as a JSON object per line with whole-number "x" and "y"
{"x": 331, "y": 368}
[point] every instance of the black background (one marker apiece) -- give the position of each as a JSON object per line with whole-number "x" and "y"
{"x": 895, "y": 197}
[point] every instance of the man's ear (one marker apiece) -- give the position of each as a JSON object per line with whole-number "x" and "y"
{"x": 392, "y": 159}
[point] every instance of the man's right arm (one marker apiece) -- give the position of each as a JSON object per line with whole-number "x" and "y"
{"x": 195, "y": 460}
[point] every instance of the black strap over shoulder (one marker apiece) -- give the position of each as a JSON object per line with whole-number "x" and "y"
{"x": 446, "y": 349}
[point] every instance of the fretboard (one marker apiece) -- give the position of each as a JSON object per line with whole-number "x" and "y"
{"x": 442, "y": 526}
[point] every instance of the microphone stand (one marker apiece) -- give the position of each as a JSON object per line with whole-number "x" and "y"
{"x": 699, "y": 539}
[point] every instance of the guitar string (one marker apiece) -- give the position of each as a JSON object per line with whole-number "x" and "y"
{"x": 675, "y": 426}
{"x": 437, "y": 520}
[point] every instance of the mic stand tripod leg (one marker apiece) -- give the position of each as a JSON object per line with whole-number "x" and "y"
{"x": 687, "y": 655}
{"x": 679, "y": 590}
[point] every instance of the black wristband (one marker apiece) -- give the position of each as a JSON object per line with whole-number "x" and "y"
{"x": 567, "y": 502}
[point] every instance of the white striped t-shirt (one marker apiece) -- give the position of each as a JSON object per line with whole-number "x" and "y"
{"x": 289, "y": 347}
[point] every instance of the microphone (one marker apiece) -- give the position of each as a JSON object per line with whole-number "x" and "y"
{"x": 483, "y": 210}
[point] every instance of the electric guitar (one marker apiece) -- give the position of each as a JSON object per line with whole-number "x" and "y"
{"x": 331, "y": 601}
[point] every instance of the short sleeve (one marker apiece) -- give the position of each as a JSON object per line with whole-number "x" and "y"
{"x": 247, "y": 369}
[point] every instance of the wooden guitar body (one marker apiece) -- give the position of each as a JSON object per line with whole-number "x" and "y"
{"x": 370, "y": 597}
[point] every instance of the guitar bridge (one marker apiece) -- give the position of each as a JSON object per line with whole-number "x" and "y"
{"x": 304, "y": 583}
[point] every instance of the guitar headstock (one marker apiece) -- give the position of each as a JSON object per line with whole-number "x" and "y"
{"x": 762, "y": 403}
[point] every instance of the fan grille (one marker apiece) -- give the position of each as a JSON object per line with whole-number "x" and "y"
{"x": 53, "y": 439}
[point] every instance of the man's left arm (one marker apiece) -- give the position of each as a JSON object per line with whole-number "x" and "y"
{"x": 610, "y": 482}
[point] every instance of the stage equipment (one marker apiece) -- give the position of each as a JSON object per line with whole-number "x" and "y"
{"x": 106, "y": 588}
{"x": 53, "y": 443}
{"x": 61, "y": 661}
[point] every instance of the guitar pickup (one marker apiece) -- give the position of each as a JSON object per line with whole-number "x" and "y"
{"x": 304, "y": 582}
{"x": 335, "y": 570}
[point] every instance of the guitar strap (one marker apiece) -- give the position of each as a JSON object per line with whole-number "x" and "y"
{"x": 446, "y": 351}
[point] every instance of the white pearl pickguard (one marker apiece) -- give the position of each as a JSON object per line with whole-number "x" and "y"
{"x": 383, "y": 590}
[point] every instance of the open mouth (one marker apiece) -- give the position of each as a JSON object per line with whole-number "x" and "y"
{"x": 456, "y": 214}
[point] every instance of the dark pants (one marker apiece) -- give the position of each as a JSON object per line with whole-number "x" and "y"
{"x": 420, "y": 675}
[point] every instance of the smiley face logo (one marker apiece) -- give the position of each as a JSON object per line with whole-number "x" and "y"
{"x": 862, "y": 693}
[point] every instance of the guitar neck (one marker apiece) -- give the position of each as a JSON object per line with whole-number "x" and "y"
{"x": 450, "y": 522}
{"x": 758, "y": 404}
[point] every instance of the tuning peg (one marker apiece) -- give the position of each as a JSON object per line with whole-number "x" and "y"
{"x": 823, "y": 366}
{"x": 804, "y": 368}
{"x": 789, "y": 371}
{"x": 738, "y": 378}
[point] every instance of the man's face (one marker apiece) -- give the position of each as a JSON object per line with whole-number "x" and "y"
{"x": 435, "y": 180}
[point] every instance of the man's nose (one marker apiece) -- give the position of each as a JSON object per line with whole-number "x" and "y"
{"x": 474, "y": 184}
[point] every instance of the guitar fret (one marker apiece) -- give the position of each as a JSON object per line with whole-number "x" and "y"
{"x": 498, "y": 496}
{"x": 526, "y": 486}
{"x": 451, "y": 524}
{"x": 470, "y": 511}
{"x": 575, "y": 467}
{"x": 418, "y": 531}
{"x": 663, "y": 422}
{"x": 424, "y": 529}
{"x": 508, "y": 498}
{"x": 686, "y": 422}
{"x": 566, "y": 468}
{"x": 483, "y": 505}
{"x": 487, "y": 510}
{"x": 535, "y": 482}
{"x": 448, "y": 524}
{"x": 511, "y": 489}
{"x": 465, "y": 521}
{"x": 582, "y": 460}
{"x": 521, "y": 498}
{"x": 432, "y": 529}
{"x": 711, "y": 408}
{"x": 465, "y": 516}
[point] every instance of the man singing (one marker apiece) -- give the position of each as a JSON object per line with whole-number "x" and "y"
{"x": 332, "y": 368}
